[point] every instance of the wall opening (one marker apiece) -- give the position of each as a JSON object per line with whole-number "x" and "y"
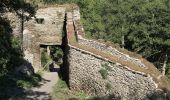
{"x": 51, "y": 57}
{"x": 40, "y": 20}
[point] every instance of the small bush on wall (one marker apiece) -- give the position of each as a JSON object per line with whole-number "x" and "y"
{"x": 103, "y": 73}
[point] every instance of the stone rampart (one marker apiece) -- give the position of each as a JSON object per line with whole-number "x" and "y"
{"x": 100, "y": 76}
{"x": 86, "y": 74}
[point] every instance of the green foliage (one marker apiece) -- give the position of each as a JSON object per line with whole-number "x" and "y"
{"x": 9, "y": 84}
{"x": 81, "y": 94}
{"x": 10, "y": 50}
{"x": 108, "y": 86}
{"x": 106, "y": 66}
{"x": 62, "y": 92}
{"x": 44, "y": 57}
{"x": 103, "y": 73}
{"x": 56, "y": 53}
{"x": 104, "y": 70}
{"x": 61, "y": 84}
{"x": 144, "y": 24}
{"x": 28, "y": 82}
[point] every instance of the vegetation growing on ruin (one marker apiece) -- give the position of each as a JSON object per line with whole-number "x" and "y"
{"x": 104, "y": 70}
{"x": 141, "y": 26}
{"x": 103, "y": 73}
{"x": 62, "y": 92}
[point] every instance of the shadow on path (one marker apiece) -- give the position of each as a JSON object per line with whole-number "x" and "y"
{"x": 34, "y": 95}
{"x": 42, "y": 92}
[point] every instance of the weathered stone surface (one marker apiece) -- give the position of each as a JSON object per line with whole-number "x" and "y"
{"x": 85, "y": 75}
{"x": 110, "y": 50}
{"x": 15, "y": 22}
{"x": 100, "y": 46}
{"x": 45, "y": 29}
{"x": 85, "y": 67}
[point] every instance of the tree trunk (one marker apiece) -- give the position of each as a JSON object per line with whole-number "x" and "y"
{"x": 123, "y": 39}
{"x": 164, "y": 64}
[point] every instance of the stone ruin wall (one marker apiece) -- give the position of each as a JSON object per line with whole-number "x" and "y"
{"x": 85, "y": 75}
{"x": 48, "y": 32}
{"x": 100, "y": 46}
{"x": 84, "y": 66}
{"x": 122, "y": 82}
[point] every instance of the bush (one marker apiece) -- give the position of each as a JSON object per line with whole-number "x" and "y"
{"x": 104, "y": 70}
{"x": 108, "y": 86}
{"x": 28, "y": 82}
{"x": 56, "y": 54}
{"x": 103, "y": 73}
{"x": 106, "y": 66}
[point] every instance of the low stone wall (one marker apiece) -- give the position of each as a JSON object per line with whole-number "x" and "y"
{"x": 110, "y": 50}
{"x": 85, "y": 74}
{"x": 99, "y": 46}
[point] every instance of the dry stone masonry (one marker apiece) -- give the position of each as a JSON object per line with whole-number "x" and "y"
{"x": 85, "y": 75}
{"x": 45, "y": 29}
{"x": 99, "y": 76}
{"x": 87, "y": 71}
{"x": 110, "y": 50}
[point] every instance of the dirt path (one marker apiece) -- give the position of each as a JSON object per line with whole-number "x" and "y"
{"x": 46, "y": 87}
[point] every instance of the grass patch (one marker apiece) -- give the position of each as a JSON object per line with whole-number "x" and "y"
{"x": 81, "y": 94}
{"x": 62, "y": 92}
{"x": 29, "y": 82}
{"x": 11, "y": 84}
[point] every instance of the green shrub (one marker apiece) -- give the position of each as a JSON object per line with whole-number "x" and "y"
{"x": 23, "y": 83}
{"x": 106, "y": 66}
{"x": 103, "y": 73}
{"x": 62, "y": 92}
{"x": 108, "y": 86}
{"x": 104, "y": 70}
{"x": 28, "y": 82}
{"x": 56, "y": 54}
{"x": 61, "y": 84}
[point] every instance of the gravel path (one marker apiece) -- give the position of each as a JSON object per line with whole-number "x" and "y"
{"x": 46, "y": 87}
